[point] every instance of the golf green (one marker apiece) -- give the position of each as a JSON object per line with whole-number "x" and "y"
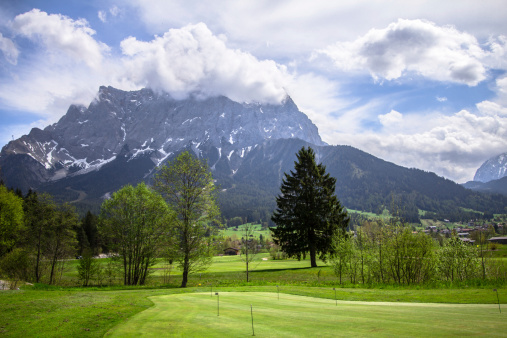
{"x": 230, "y": 315}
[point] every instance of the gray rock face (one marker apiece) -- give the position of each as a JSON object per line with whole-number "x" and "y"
{"x": 493, "y": 169}
{"x": 155, "y": 125}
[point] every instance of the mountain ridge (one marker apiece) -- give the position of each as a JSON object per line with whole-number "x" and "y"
{"x": 85, "y": 139}
{"x": 122, "y": 137}
{"x": 493, "y": 169}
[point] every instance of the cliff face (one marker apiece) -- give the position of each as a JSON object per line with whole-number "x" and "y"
{"x": 493, "y": 169}
{"x": 148, "y": 124}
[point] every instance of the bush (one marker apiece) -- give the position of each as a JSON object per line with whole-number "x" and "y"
{"x": 276, "y": 253}
{"x": 88, "y": 268}
{"x": 14, "y": 267}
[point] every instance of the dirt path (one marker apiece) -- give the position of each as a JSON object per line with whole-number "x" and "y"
{"x": 82, "y": 195}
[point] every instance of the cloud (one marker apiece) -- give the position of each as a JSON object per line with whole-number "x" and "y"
{"x": 501, "y": 90}
{"x": 319, "y": 99}
{"x": 452, "y": 146}
{"x": 113, "y": 11}
{"x": 298, "y": 26}
{"x": 61, "y": 34}
{"x": 391, "y": 118}
{"x": 412, "y": 46}
{"x": 441, "y": 98}
{"x": 497, "y": 54}
{"x": 193, "y": 61}
{"x": 183, "y": 62}
{"x": 9, "y": 50}
{"x": 102, "y": 16}
{"x": 490, "y": 108}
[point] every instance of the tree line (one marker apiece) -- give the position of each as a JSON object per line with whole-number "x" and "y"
{"x": 310, "y": 219}
{"x": 381, "y": 253}
{"x": 175, "y": 219}
{"x": 36, "y": 235}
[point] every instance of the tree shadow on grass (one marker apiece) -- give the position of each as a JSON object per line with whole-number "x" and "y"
{"x": 288, "y": 269}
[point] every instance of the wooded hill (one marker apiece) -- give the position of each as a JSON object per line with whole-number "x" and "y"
{"x": 364, "y": 182}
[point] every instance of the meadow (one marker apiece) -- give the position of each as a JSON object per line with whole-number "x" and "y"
{"x": 308, "y": 305}
{"x": 240, "y": 230}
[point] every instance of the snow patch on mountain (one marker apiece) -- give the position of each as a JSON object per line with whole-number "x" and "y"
{"x": 493, "y": 169}
{"x": 144, "y": 123}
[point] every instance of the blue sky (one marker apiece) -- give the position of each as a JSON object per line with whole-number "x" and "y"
{"x": 420, "y": 83}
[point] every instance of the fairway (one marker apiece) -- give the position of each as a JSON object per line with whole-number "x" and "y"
{"x": 204, "y": 315}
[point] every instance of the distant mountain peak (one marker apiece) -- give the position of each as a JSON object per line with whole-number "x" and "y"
{"x": 493, "y": 169}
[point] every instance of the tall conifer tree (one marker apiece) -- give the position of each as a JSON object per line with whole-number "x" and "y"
{"x": 308, "y": 213}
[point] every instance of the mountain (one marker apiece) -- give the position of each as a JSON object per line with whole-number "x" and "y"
{"x": 498, "y": 186}
{"x": 364, "y": 182}
{"x": 125, "y": 126}
{"x": 493, "y": 169}
{"x": 122, "y": 137}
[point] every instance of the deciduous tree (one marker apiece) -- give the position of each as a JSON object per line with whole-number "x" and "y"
{"x": 187, "y": 186}
{"x": 249, "y": 247}
{"x": 136, "y": 221}
{"x": 11, "y": 220}
{"x": 62, "y": 239}
{"x": 40, "y": 213}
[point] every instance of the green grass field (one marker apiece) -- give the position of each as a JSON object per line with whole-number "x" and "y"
{"x": 70, "y": 312}
{"x": 306, "y": 307}
{"x": 240, "y": 230}
{"x": 230, "y": 315}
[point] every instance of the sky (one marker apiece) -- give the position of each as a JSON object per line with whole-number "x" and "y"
{"x": 420, "y": 83}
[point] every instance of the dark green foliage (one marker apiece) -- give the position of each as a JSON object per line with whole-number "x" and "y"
{"x": 89, "y": 225}
{"x": 39, "y": 216}
{"x": 62, "y": 239}
{"x": 88, "y": 268}
{"x": 234, "y": 222}
{"x": 15, "y": 266}
{"x": 308, "y": 214}
{"x": 50, "y": 234}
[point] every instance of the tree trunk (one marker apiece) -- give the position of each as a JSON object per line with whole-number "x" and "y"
{"x": 53, "y": 264}
{"x": 313, "y": 258}
{"x": 185, "y": 273}
{"x": 247, "y": 269}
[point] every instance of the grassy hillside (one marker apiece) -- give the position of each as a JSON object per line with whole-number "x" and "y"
{"x": 240, "y": 230}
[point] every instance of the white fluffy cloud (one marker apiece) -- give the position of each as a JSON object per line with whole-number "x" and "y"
{"x": 182, "y": 62}
{"x": 9, "y": 49}
{"x": 295, "y": 27}
{"x": 193, "y": 61}
{"x": 452, "y": 146}
{"x": 391, "y": 118}
{"x": 422, "y": 47}
{"x": 501, "y": 90}
{"x": 59, "y": 34}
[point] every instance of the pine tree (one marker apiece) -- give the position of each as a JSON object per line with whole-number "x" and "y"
{"x": 308, "y": 214}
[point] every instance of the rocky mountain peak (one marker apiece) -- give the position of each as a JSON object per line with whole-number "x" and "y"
{"x": 154, "y": 125}
{"x": 493, "y": 169}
